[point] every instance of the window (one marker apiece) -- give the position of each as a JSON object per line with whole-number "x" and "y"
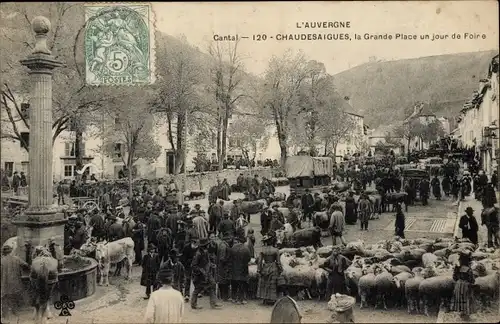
{"x": 9, "y": 168}
{"x": 117, "y": 155}
{"x": 73, "y": 123}
{"x": 69, "y": 171}
{"x": 214, "y": 140}
{"x": 25, "y": 110}
{"x": 24, "y": 166}
{"x": 118, "y": 123}
{"x": 25, "y": 136}
{"x": 69, "y": 149}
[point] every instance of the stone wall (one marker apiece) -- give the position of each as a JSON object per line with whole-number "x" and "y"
{"x": 204, "y": 180}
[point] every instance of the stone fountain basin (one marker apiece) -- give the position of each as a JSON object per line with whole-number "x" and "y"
{"x": 77, "y": 280}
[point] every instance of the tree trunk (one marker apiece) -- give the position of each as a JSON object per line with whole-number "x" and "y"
{"x": 335, "y": 152}
{"x": 130, "y": 194}
{"x": 225, "y": 122}
{"x": 219, "y": 144}
{"x": 326, "y": 147}
{"x": 179, "y": 152}
{"x": 78, "y": 148}
{"x": 408, "y": 148}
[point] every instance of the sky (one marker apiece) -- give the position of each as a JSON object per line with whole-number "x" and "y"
{"x": 200, "y": 21}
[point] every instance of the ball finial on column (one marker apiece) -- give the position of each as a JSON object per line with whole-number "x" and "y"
{"x": 41, "y": 27}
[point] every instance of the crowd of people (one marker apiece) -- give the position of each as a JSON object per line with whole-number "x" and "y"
{"x": 212, "y": 248}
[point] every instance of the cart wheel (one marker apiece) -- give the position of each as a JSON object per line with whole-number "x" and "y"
{"x": 186, "y": 198}
{"x": 202, "y": 196}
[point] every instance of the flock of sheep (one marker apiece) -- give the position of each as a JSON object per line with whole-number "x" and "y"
{"x": 417, "y": 274}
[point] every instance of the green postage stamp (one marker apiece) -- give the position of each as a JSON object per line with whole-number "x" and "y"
{"x": 119, "y": 44}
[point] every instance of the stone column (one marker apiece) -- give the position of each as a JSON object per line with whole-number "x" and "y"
{"x": 42, "y": 220}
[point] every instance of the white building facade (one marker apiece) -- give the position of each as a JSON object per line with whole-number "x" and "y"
{"x": 479, "y": 120}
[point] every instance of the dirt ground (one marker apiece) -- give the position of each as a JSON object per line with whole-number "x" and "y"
{"x": 122, "y": 302}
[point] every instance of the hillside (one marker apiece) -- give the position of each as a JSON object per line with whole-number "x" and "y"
{"x": 384, "y": 92}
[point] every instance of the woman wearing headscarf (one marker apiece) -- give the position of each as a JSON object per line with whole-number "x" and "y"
{"x": 463, "y": 298}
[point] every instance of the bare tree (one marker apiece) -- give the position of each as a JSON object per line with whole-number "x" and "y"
{"x": 179, "y": 91}
{"x": 249, "y": 134}
{"x": 335, "y": 126}
{"x": 280, "y": 93}
{"x": 72, "y": 99}
{"x": 127, "y": 134}
{"x": 226, "y": 72}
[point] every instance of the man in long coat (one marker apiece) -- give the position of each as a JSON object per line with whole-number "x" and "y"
{"x": 202, "y": 279}
{"x": 150, "y": 266}
{"x": 351, "y": 208}
{"x": 436, "y": 187}
{"x": 153, "y": 225}
{"x": 201, "y": 226}
{"x": 138, "y": 238}
{"x": 240, "y": 257}
{"x": 223, "y": 261}
{"x": 307, "y": 204}
{"x": 226, "y": 227}
{"x": 213, "y": 194}
{"x": 215, "y": 215}
{"x": 225, "y": 190}
{"x": 12, "y": 286}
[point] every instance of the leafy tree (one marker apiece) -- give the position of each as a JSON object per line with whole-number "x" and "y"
{"x": 249, "y": 135}
{"x": 410, "y": 129}
{"x": 129, "y": 137}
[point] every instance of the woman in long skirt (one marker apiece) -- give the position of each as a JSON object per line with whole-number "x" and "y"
{"x": 269, "y": 270}
{"x": 463, "y": 297}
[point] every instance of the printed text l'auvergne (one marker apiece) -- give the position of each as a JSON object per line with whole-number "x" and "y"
{"x": 323, "y": 24}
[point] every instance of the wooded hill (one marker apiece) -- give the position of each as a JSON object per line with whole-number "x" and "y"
{"x": 385, "y": 92}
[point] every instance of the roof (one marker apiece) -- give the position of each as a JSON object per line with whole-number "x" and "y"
{"x": 341, "y": 103}
{"x": 426, "y": 111}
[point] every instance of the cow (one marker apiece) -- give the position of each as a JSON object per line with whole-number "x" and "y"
{"x": 43, "y": 279}
{"x": 393, "y": 198}
{"x": 304, "y": 237}
{"x": 108, "y": 253}
{"x": 321, "y": 219}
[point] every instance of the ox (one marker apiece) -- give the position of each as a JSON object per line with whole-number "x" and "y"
{"x": 113, "y": 253}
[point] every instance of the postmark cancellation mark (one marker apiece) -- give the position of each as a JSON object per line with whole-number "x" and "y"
{"x": 119, "y": 45}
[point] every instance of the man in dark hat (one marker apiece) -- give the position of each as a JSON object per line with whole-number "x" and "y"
{"x": 215, "y": 215}
{"x": 468, "y": 225}
{"x": 138, "y": 238}
{"x": 188, "y": 253}
{"x": 166, "y": 304}
{"x": 307, "y": 201}
{"x": 177, "y": 268}
{"x": 223, "y": 260}
{"x": 97, "y": 223}
{"x": 12, "y": 286}
{"x": 115, "y": 230}
{"x": 153, "y": 225}
{"x": 226, "y": 226}
{"x": 202, "y": 278}
{"x": 240, "y": 257}
{"x": 165, "y": 240}
{"x": 150, "y": 266}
